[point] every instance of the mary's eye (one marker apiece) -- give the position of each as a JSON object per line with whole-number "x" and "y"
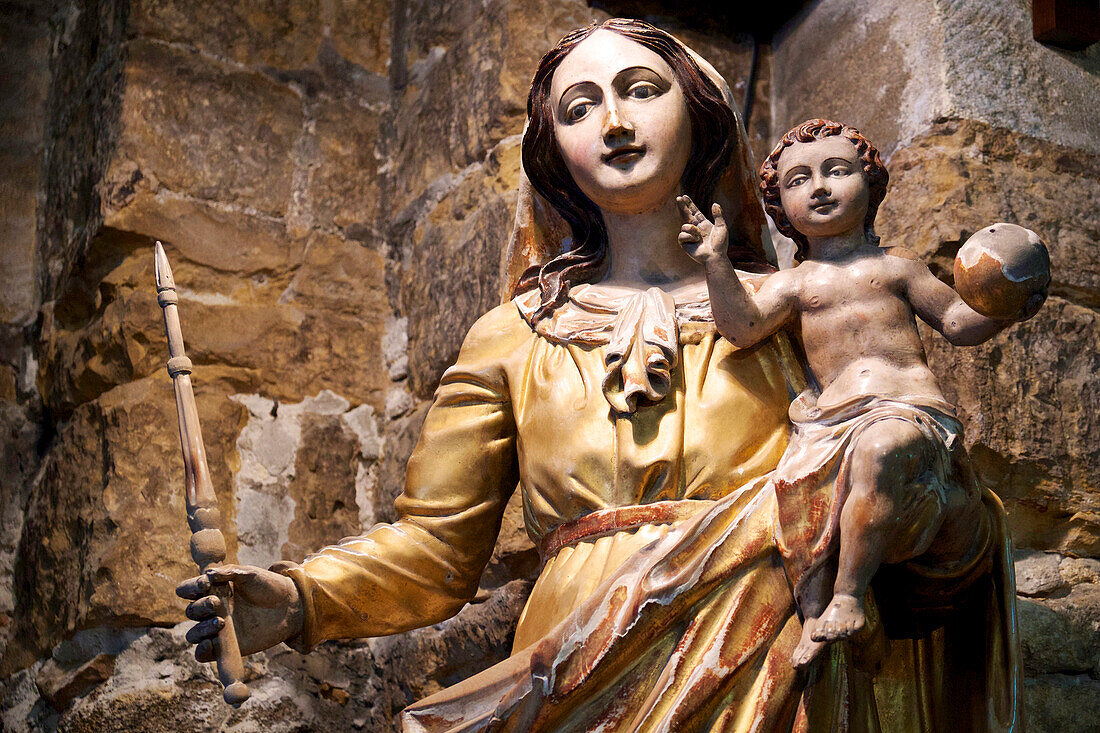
{"x": 642, "y": 90}
{"x": 577, "y": 111}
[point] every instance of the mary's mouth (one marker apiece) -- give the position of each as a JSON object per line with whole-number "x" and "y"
{"x": 624, "y": 154}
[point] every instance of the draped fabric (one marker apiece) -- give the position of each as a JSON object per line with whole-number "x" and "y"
{"x": 682, "y": 624}
{"x": 812, "y": 479}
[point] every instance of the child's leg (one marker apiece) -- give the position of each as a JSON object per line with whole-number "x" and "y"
{"x": 887, "y": 459}
{"x": 815, "y": 597}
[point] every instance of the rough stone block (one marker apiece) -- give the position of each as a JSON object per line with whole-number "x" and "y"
{"x": 1027, "y": 430}
{"x": 958, "y": 177}
{"x": 59, "y": 686}
{"x": 1037, "y": 573}
{"x": 822, "y": 67}
{"x": 1058, "y": 703}
{"x": 344, "y": 187}
{"x": 450, "y": 262}
{"x": 208, "y": 129}
{"x": 279, "y": 33}
{"x": 105, "y": 540}
{"x": 469, "y": 68}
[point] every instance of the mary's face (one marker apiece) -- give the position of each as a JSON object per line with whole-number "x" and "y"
{"x": 621, "y": 123}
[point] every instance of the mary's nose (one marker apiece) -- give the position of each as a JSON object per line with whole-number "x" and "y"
{"x": 615, "y": 125}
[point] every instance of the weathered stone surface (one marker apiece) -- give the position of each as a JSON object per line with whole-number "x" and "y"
{"x": 307, "y": 314}
{"x": 1028, "y": 434}
{"x": 82, "y": 130}
{"x": 361, "y": 32}
{"x": 960, "y": 176}
{"x": 460, "y": 241}
{"x": 822, "y": 68}
{"x": 996, "y": 72}
{"x": 24, "y": 85}
{"x": 279, "y": 33}
{"x": 105, "y": 539}
{"x": 1080, "y": 570}
{"x": 969, "y": 59}
{"x": 158, "y": 687}
{"x": 1061, "y": 703}
{"x": 344, "y": 188}
{"x": 209, "y": 130}
{"x": 306, "y": 476}
{"x": 205, "y": 234}
{"x": 1037, "y": 573}
{"x": 19, "y": 434}
{"x": 464, "y": 99}
{"x": 1062, "y": 635}
{"x": 59, "y": 686}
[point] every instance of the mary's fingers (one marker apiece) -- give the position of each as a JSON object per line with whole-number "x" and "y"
{"x": 207, "y": 629}
{"x": 194, "y": 588}
{"x": 204, "y": 651}
{"x": 227, "y": 573}
{"x": 205, "y": 608}
{"x": 688, "y": 238}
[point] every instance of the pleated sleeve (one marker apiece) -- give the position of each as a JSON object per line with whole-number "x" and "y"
{"x": 424, "y": 567}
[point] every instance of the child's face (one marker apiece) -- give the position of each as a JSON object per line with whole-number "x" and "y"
{"x": 822, "y": 187}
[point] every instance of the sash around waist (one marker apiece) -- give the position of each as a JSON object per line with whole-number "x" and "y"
{"x": 604, "y": 522}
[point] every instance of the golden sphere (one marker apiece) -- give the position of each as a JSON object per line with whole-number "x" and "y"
{"x": 1000, "y": 268}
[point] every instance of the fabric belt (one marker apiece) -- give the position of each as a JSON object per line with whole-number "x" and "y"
{"x": 604, "y": 522}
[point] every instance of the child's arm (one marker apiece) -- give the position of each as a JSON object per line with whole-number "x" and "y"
{"x": 941, "y": 308}
{"x": 744, "y": 318}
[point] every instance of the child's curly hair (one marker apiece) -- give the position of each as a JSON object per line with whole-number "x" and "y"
{"x": 808, "y": 131}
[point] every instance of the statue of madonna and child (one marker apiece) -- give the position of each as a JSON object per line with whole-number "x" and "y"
{"x": 752, "y": 502}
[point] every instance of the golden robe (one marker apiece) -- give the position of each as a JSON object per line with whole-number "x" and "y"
{"x": 641, "y": 442}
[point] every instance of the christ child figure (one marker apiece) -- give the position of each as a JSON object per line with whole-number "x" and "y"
{"x": 875, "y": 471}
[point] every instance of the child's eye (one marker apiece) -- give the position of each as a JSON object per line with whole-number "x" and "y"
{"x": 796, "y": 181}
{"x": 642, "y": 90}
{"x": 838, "y": 171}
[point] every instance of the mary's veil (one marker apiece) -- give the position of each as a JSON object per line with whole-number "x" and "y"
{"x": 540, "y": 234}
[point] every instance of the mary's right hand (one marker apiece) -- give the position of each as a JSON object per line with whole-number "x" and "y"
{"x": 267, "y": 608}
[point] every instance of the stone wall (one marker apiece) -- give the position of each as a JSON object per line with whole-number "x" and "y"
{"x": 334, "y": 182}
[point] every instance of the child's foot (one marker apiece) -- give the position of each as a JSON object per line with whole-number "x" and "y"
{"x": 807, "y": 649}
{"x": 841, "y": 620}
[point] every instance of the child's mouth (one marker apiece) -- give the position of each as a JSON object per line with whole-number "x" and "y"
{"x": 824, "y": 207}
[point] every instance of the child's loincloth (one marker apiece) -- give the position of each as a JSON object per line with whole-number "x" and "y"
{"x": 812, "y": 478}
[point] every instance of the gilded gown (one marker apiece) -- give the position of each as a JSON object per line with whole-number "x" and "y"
{"x": 642, "y": 443}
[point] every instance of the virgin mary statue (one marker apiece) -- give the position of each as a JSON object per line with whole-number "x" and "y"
{"x": 642, "y": 443}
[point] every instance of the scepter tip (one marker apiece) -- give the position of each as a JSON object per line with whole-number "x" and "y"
{"x": 162, "y": 269}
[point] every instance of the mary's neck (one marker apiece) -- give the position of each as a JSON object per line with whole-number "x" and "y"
{"x": 645, "y": 252}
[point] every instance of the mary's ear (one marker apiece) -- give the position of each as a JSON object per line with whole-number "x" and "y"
{"x": 539, "y": 234}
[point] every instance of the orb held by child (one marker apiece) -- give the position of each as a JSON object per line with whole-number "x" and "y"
{"x": 1002, "y": 271}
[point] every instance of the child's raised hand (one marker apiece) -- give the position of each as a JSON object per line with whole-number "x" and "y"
{"x": 702, "y": 239}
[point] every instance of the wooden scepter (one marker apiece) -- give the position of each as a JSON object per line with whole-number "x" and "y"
{"x": 207, "y": 541}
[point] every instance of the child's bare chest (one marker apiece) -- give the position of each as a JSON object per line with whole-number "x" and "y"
{"x": 861, "y": 287}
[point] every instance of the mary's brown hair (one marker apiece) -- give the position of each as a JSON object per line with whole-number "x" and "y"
{"x": 818, "y": 129}
{"x": 713, "y": 127}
